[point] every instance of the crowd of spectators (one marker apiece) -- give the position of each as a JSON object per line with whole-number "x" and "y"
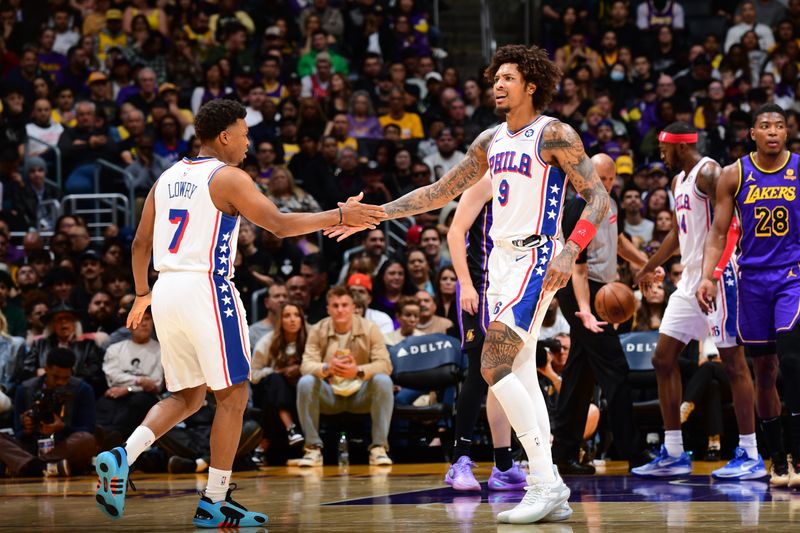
{"x": 342, "y": 96}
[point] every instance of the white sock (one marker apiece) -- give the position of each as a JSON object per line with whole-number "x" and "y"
{"x": 521, "y": 413}
{"x": 673, "y": 440}
{"x": 525, "y": 370}
{"x": 141, "y": 439}
{"x": 218, "y": 481}
{"x": 748, "y": 442}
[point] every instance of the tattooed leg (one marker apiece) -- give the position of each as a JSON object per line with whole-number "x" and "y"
{"x": 500, "y": 348}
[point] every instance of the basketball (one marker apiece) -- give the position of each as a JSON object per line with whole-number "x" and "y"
{"x": 615, "y": 303}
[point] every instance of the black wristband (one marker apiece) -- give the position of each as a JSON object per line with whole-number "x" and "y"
{"x": 340, "y": 215}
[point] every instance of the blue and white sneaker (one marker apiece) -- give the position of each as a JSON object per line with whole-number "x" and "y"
{"x": 742, "y": 467}
{"x": 112, "y": 472}
{"x": 226, "y": 513}
{"x": 665, "y": 465}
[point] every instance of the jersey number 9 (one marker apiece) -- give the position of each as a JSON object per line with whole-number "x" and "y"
{"x": 502, "y": 197}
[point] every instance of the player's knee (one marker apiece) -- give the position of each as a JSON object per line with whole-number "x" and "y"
{"x": 493, "y": 374}
{"x": 662, "y": 363}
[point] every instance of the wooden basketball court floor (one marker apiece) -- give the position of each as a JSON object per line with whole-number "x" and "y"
{"x": 404, "y": 498}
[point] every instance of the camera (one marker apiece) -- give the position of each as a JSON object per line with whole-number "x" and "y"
{"x": 45, "y": 403}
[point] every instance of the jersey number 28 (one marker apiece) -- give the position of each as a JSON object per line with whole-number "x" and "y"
{"x": 771, "y": 222}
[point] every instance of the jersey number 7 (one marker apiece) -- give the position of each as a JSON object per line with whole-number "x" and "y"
{"x": 181, "y": 218}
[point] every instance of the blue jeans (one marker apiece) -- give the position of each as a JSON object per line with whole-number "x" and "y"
{"x": 315, "y": 396}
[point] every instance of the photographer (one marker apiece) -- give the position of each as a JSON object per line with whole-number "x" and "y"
{"x": 53, "y": 406}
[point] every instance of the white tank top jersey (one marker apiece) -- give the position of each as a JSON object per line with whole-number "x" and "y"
{"x": 693, "y": 213}
{"x": 528, "y": 193}
{"x": 190, "y": 234}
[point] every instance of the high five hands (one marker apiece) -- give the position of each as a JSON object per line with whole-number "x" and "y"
{"x": 356, "y": 217}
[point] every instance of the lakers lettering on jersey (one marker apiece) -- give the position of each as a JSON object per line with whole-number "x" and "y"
{"x": 769, "y": 213}
{"x": 528, "y": 193}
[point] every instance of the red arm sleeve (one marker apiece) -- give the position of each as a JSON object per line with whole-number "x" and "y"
{"x": 730, "y": 246}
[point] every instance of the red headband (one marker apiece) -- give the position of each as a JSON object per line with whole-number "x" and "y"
{"x": 675, "y": 138}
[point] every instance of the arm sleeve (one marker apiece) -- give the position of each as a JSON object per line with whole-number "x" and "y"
{"x": 572, "y": 213}
{"x": 730, "y": 244}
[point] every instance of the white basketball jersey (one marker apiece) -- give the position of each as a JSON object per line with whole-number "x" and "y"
{"x": 693, "y": 214}
{"x": 190, "y": 234}
{"x": 528, "y": 193}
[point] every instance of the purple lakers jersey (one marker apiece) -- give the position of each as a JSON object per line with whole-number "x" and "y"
{"x": 769, "y": 213}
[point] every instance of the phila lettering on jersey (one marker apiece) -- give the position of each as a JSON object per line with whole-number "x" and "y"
{"x": 190, "y": 234}
{"x": 694, "y": 214}
{"x": 528, "y": 193}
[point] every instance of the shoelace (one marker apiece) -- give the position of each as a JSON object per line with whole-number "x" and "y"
{"x": 534, "y": 493}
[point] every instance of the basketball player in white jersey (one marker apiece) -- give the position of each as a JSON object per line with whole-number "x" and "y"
{"x": 695, "y": 196}
{"x": 530, "y": 158}
{"x": 190, "y": 226}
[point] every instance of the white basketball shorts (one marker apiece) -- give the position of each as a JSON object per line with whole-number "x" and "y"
{"x": 202, "y": 327}
{"x": 515, "y": 294}
{"x": 685, "y": 321}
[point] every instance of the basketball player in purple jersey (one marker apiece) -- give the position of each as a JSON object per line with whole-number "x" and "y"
{"x": 762, "y": 189}
{"x": 530, "y": 158}
{"x": 189, "y": 226}
{"x": 695, "y": 197}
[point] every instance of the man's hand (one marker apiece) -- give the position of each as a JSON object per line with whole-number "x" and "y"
{"x": 137, "y": 311}
{"x": 707, "y": 296}
{"x": 27, "y": 423}
{"x": 469, "y": 299}
{"x": 646, "y": 277}
{"x": 147, "y": 384}
{"x": 55, "y": 427}
{"x": 116, "y": 392}
{"x": 560, "y": 269}
{"x": 356, "y": 217}
{"x": 344, "y": 367}
{"x": 356, "y": 214}
{"x": 590, "y": 322}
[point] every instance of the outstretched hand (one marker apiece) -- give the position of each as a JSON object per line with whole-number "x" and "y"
{"x": 356, "y": 217}
{"x": 645, "y": 279}
{"x": 590, "y": 322}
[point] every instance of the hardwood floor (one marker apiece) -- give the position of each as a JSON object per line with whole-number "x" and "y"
{"x": 404, "y": 498}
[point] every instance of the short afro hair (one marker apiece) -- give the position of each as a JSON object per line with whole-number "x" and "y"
{"x": 768, "y": 108}
{"x": 216, "y": 116}
{"x": 535, "y": 67}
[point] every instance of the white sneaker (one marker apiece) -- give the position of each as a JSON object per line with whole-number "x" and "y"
{"x": 563, "y": 511}
{"x": 541, "y": 499}
{"x": 312, "y": 457}
{"x": 379, "y": 457}
{"x": 794, "y": 475}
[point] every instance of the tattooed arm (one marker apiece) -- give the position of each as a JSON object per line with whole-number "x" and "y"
{"x": 436, "y": 195}
{"x": 561, "y": 146}
{"x": 467, "y": 172}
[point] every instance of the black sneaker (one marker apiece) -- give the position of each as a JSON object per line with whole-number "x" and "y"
{"x": 181, "y": 465}
{"x": 295, "y": 437}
